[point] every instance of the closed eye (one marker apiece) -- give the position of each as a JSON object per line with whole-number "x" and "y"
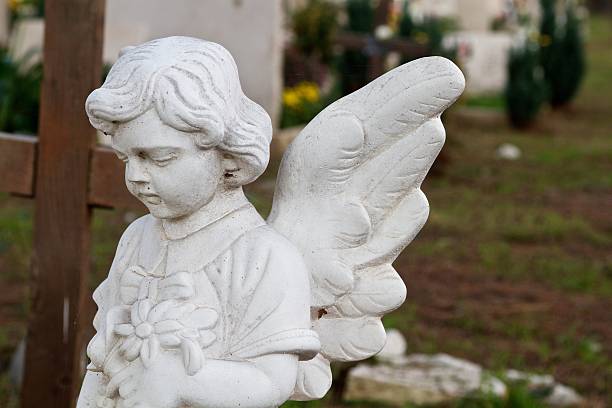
{"x": 164, "y": 160}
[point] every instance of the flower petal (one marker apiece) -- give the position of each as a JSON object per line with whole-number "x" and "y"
{"x": 160, "y": 309}
{"x": 169, "y": 340}
{"x": 166, "y": 326}
{"x": 192, "y": 356}
{"x": 131, "y": 347}
{"x": 207, "y": 337}
{"x": 149, "y": 350}
{"x": 179, "y": 311}
{"x": 201, "y": 318}
{"x": 124, "y": 329}
{"x": 144, "y": 307}
{"x": 190, "y": 333}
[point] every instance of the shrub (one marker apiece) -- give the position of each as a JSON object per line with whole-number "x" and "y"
{"x": 302, "y": 103}
{"x": 19, "y": 96}
{"x": 429, "y": 32}
{"x": 353, "y": 64}
{"x": 526, "y": 88}
{"x": 562, "y": 53}
{"x": 313, "y": 27}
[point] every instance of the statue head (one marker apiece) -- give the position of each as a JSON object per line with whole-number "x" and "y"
{"x": 178, "y": 116}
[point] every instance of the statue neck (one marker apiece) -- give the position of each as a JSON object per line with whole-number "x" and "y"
{"x": 224, "y": 203}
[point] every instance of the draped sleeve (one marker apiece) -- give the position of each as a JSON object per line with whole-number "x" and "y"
{"x": 267, "y": 307}
{"x": 106, "y": 293}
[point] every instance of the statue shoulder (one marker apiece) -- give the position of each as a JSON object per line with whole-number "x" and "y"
{"x": 266, "y": 238}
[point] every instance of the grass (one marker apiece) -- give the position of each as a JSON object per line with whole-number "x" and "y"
{"x": 512, "y": 270}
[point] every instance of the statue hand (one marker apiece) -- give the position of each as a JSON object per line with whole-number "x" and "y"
{"x": 157, "y": 386}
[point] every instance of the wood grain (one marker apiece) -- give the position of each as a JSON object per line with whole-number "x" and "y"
{"x": 17, "y": 163}
{"x": 107, "y": 186}
{"x": 72, "y": 69}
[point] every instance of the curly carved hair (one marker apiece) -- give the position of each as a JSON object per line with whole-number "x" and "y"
{"x": 194, "y": 87}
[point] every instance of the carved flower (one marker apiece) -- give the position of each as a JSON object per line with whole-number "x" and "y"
{"x": 169, "y": 324}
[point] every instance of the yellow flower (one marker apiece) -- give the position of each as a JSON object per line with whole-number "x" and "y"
{"x": 309, "y": 91}
{"x": 291, "y": 99}
{"x": 14, "y": 4}
{"x": 421, "y": 38}
{"x": 545, "y": 40}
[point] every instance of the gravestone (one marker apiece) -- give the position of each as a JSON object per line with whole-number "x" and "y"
{"x": 26, "y": 41}
{"x": 251, "y": 30}
{"x": 437, "y": 8}
{"x": 3, "y": 22}
{"x": 477, "y": 15}
{"x": 485, "y": 63}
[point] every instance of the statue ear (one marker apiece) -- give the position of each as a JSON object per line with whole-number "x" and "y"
{"x": 235, "y": 171}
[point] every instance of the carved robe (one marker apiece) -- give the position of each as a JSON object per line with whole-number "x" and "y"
{"x": 230, "y": 290}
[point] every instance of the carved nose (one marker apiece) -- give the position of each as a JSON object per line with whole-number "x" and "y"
{"x": 135, "y": 172}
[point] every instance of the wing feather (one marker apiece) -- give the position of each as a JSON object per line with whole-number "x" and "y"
{"x": 348, "y": 197}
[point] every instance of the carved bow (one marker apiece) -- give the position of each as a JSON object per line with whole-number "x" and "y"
{"x": 138, "y": 284}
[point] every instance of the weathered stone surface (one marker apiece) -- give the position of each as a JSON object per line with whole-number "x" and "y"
{"x": 395, "y": 347}
{"x": 206, "y": 303}
{"x": 485, "y": 60}
{"x": 420, "y": 379}
{"x": 563, "y": 396}
{"x": 554, "y": 394}
{"x": 508, "y": 151}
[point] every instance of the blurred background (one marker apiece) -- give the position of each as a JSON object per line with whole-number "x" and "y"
{"x": 509, "y": 282}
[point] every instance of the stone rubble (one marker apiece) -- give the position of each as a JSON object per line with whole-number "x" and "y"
{"x": 556, "y": 394}
{"x": 399, "y": 379}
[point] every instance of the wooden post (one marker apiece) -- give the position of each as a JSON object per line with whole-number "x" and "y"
{"x": 72, "y": 68}
{"x": 377, "y": 61}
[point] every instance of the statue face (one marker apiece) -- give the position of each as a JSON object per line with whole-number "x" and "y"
{"x": 164, "y": 168}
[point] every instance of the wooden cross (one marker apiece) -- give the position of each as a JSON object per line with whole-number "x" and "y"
{"x": 67, "y": 175}
{"x": 360, "y": 42}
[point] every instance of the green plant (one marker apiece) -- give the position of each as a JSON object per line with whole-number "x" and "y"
{"x": 406, "y": 25}
{"x": 562, "y": 53}
{"x": 428, "y": 32}
{"x": 353, "y": 64}
{"x": 19, "y": 95}
{"x": 302, "y": 103}
{"x": 309, "y": 55}
{"x": 526, "y": 88}
{"x": 571, "y": 70}
{"x": 314, "y": 27}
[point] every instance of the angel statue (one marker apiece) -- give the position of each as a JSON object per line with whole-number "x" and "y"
{"x": 206, "y": 303}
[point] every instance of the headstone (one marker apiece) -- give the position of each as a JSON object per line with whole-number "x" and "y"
{"x": 3, "y": 22}
{"x": 25, "y": 44}
{"x": 437, "y": 8}
{"x": 206, "y": 303}
{"x": 477, "y": 15}
{"x": 485, "y": 60}
{"x": 251, "y": 30}
{"x": 395, "y": 347}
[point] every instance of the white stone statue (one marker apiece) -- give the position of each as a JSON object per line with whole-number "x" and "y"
{"x": 206, "y": 303}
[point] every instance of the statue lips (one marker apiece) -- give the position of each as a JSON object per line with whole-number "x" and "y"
{"x": 149, "y": 198}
